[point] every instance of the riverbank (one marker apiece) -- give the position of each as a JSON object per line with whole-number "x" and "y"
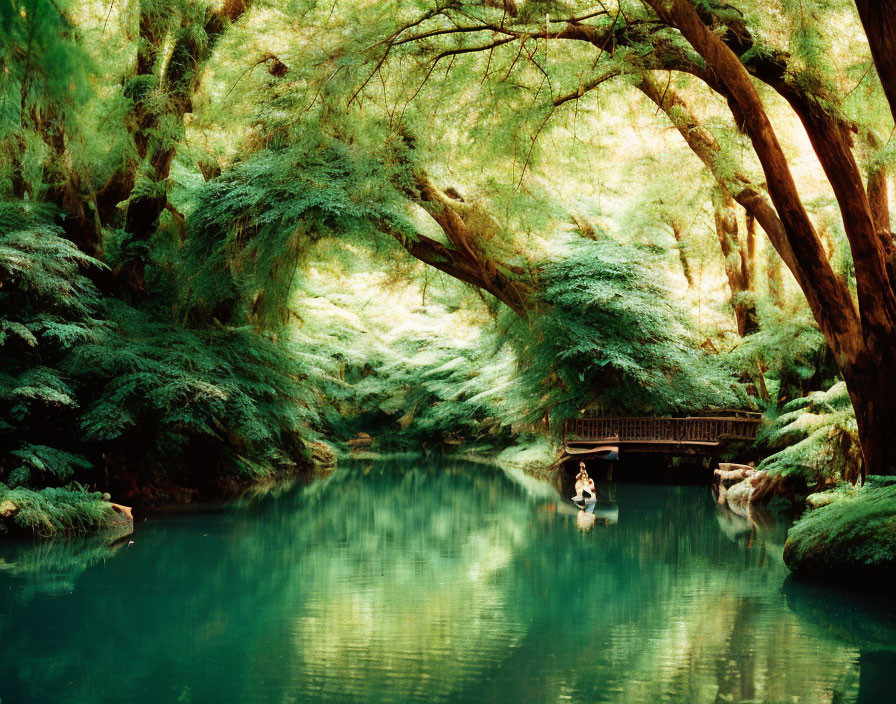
{"x": 845, "y": 531}
{"x": 847, "y": 535}
{"x": 74, "y": 510}
{"x": 843, "y": 534}
{"x": 59, "y": 511}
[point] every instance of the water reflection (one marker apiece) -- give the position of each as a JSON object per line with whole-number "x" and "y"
{"x": 867, "y": 624}
{"x": 53, "y": 566}
{"x": 403, "y": 583}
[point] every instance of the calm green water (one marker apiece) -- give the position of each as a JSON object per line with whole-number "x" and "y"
{"x": 410, "y": 583}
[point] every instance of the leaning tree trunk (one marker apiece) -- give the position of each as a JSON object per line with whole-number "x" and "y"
{"x": 879, "y": 20}
{"x": 682, "y": 254}
{"x": 774, "y": 275}
{"x": 467, "y": 227}
{"x": 862, "y": 340}
{"x": 878, "y": 199}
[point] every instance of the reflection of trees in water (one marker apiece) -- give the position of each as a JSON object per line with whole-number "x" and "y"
{"x": 53, "y": 566}
{"x": 171, "y": 601}
{"x": 400, "y": 583}
{"x": 866, "y": 622}
{"x": 370, "y": 570}
{"x": 406, "y": 569}
{"x": 756, "y": 526}
{"x": 660, "y": 608}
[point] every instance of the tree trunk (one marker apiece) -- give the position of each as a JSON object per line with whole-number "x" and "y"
{"x": 774, "y": 275}
{"x": 467, "y": 228}
{"x": 749, "y": 256}
{"x": 862, "y": 340}
{"x": 878, "y": 197}
{"x": 737, "y": 267}
{"x": 871, "y": 379}
{"x": 879, "y": 200}
{"x": 15, "y": 147}
{"x": 706, "y": 147}
{"x": 682, "y": 254}
{"x": 181, "y": 80}
{"x": 879, "y": 20}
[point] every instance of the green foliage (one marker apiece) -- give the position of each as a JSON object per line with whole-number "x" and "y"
{"x": 534, "y": 455}
{"x": 435, "y": 392}
{"x": 46, "y": 305}
{"x": 254, "y": 223}
{"x": 791, "y": 351}
{"x": 435, "y": 379}
{"x": 808, "y": 41}
{"x": 43, "y": 68}
{"x": 602, "y": 331}
{"x": 223, "y": 366}
{"x": 53, "y": 510}
{"x": 159, "y": 390}
{"x": 102, "y": 373}
{"x": 45, "y": 72}
{"x": 609, "y": 335}
{"x": 818, "y": 439}
{"x": 40, "y": 458}
{"x": 852, "y": 538}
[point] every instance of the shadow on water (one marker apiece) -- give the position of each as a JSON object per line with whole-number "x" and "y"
{"x": 413, "y": 582}
{"x": 867, "y": 624}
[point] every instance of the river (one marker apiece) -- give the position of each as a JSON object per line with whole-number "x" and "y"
{"x": 415, "y": 582}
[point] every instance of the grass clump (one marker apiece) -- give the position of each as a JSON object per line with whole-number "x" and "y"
{"x": 53, "y": 510}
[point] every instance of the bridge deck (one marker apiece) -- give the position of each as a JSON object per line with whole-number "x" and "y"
{"x": 657, "y": 433}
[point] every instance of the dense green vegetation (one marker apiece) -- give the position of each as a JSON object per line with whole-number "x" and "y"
{"x": 851, "y": 538}
{"x": 232, "y": 231}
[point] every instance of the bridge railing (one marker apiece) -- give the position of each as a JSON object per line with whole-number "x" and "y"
{"x": 705, "y": 429}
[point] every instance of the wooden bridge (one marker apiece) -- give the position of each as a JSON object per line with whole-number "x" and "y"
{"x": 606, "y": 435}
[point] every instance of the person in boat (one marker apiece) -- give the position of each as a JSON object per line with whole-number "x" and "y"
{"x": 580, "y": 482}
{"x": 589, "y": 486}
{"x": 584, "y": 484}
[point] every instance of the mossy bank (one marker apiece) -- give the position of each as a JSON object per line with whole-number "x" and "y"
{"x": 849, "y": 539}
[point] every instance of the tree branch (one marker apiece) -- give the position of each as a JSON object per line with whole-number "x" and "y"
{"x": 586, "y": 87}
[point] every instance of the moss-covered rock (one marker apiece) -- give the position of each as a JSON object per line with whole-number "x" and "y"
{"x": 851, "y": 539}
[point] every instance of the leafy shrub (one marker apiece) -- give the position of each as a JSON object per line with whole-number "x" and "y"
{"x": 254, "y": 224}
{"x": 156, "y": 387}
{"x": 817, "y": 439}
{"x": 790, "y": 351}
{"x": 47, "y": 306}
{"x": 608, "y": 334}
{"x": 88, "y": 381}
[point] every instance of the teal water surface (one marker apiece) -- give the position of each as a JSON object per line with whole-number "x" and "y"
{"x": 436, "y": 583}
